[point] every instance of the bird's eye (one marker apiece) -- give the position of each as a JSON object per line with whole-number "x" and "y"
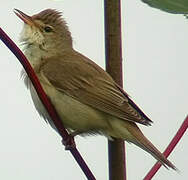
{"x": 48, "y": 29}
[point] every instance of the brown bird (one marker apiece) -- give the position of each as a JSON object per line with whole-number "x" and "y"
{"x": 86, "y": 98}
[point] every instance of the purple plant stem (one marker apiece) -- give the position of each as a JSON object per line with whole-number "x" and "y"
{"x": 46, "y": 102}
{"x": 169, "y": 149}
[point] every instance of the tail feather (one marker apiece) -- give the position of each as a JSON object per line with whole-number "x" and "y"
{"x": 145, "y": 144}
{"x": 150, "y": 148}
{"x": 130, "y": 132}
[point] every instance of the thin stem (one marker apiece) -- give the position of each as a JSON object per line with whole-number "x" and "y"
{"x": 113, "y": 48}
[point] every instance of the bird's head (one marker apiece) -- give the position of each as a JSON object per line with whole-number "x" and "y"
{"x": 47, "y": 30}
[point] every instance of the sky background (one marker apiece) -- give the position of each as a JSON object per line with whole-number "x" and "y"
{"x": 155, "y": 65}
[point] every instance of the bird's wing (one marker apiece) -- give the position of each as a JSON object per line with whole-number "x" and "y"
{"x": 85, "y": 81}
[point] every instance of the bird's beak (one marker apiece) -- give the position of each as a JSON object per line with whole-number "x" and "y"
{"x": 24, "y": 17}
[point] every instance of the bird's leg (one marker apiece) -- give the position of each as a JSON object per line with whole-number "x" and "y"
{"x": 69, "y": 143}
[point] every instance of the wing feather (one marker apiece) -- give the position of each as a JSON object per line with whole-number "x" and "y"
{"x": 83, "y": 80}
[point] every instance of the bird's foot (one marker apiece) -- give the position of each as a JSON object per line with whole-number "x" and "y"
{"x": 69, "y": 143}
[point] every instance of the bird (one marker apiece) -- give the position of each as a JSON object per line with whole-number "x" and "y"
{"x": 84, "y": 95}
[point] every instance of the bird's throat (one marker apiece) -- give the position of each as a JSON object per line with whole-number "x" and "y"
{"x": 34, "y": 54}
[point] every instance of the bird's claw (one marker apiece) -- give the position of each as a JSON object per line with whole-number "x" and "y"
{"x": 69, "y": 143}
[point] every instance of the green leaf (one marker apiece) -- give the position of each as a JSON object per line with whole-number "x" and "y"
{"x": 170, "y": 6}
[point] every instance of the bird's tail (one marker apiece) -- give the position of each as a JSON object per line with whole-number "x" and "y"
{"x": 130, "y": 132}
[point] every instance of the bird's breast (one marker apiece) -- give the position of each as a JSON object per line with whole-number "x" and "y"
{"x": 74, "y": 114}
